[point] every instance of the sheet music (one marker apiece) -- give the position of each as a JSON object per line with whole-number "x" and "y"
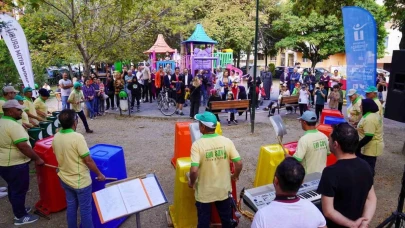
{"x": 133, "y": 195}
{"x": 110, "y": 203}
{"x": 153, "y": 189}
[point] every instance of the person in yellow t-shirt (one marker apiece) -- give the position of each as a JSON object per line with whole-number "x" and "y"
{"x": 210, "y": 173}
{"x": 370, "y": 129}
{"x": 24, "y": 117}
{"x": 371, "y": 93}
{"x": 28, "y": 103}
{"x": 40, "y": 103}
{"x": 75, "y": 98}
{"x": 74, "y": 163}
{"x": 354, "y": 111}
{"x": 15, "y": 155}
{"x": 8, "y": 94}
{"x": 313, "y": 147}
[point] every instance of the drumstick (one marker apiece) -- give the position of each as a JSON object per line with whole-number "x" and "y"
{"x": 109, "y": 178}
{"x": 51, "y": 166}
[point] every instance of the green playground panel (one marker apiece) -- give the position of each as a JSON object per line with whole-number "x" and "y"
{"x": 224, "y": 58}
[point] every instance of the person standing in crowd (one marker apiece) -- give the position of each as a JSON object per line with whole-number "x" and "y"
{"x": 153, "y": 84}
{"x": 294, "y": 78}
{"x": 110, "y": 90}
{"x": 210, "y": 173}
{"x": 76, "y": 98}
{"x": 310, "y": 80}
{"x": 354, "y": 110}
{"x": 215, "y": 95}
{"x": 135, "y": 90}
{"x": 195, "y": 97}
{"x": 146, "y": 76}
{"x": 74, "y": 163}
{"x": 9, "y": 93}
{"x": 252, "y": 90}
{"x": 225, "y": 83}
{"x": 128, "y": 79}
{"x": 101, "y": 98}
{"x": 187, "y": 82}
{"x": 381, "y": 86}
{"x": 325, "y": 78}
{"x": 118, "y": 86}
{"x": 267, "y": 79}
{"x": 159, "y": 79}
{"x": 334, "y": 97}
{"x": 31, "y": 112}
{"x": 65, "y": 85}
{"x": 348, "y": 196}
{"x": 341, "y": 97}
{"x": 204, "y": 86}
{"x": 96, "y": 98}
{"x": 335, "y": 78}
{"x": 139, "y": 76}
{"x": 303, "y": 99}
{"x": 320, "y": 94}
{"x": 370, "y": 130}
{"x": 287, "y": 180}
{"x": 218, "y": 77}
{"x": 371, "y": 93}
{"x": 313, "y": 147}
{"x": 15, "y": 155}
{"x": 40, "y": 103}
{"x": 285, "y": 79}
{"x": 89, "y": 96}
{"x": 178, "y": 82}
{"x": 167, "y": 79}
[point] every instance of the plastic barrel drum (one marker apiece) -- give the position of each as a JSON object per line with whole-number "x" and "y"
{"x": 52, "y": 119}
{"x": 35, "y": 134}
{"x": 46, "y": 127}
{"x": 56, "y": 113}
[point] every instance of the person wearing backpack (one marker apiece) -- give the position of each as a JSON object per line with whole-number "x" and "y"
{"x": 178, "y": 81}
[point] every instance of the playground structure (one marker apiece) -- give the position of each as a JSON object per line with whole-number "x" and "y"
{"x": 161, "y": 47}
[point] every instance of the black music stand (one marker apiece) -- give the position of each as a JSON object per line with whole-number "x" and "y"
{"x": 397, "y": 216}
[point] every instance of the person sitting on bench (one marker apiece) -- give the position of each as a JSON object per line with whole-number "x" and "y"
{"x": 283, "y": 93}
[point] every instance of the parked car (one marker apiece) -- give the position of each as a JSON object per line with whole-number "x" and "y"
{"x": 280, "y": 70}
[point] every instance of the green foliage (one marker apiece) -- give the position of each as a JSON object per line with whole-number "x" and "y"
{"x": 272, "y": 68}
{"x": 397, "y": 10}
{"x": 8, "y": 70}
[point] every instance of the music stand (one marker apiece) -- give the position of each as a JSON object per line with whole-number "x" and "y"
{"x": 398, "y": 215}
{"x": 279, "y": 128}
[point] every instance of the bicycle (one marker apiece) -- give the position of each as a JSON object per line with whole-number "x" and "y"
{"x": 166, "y": 105}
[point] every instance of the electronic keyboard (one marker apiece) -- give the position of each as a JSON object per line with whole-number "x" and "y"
{"x": 262, "y": 196}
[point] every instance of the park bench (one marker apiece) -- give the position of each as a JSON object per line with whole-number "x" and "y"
{"x": 292, "y": 101}
{"x": 240, "y": 105}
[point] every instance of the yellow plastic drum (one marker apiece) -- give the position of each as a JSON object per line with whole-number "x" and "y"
{"x": 183, "y": 211}
{"x": 270, "y": 157}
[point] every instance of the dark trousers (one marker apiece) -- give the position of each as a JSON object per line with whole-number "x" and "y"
{"x": 224, "y": 210}
{"x": 327, "y": 92}
{"x": 371, "y": 160}
{"x": 303, "y": 108}
{"x": 136, "y": 97}
{"x": 17, "y": 178}
{"x": 311, "y": 97}
{"x": 110, "y": 100}
{"x": 84, "y": 120}
{"x": 318, "y": 110}
{"x": 158, "y": 92}
{"x": 117, "y": 98}
{"x": 340, "y": 107}
{"x": 194, "y": 107}
{"x": 147, "y": 91}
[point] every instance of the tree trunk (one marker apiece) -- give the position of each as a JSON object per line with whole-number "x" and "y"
{"x": 238, "y": 62}
{"x": 70, "y": 70}
{"x": 265, "y": 59}
{"x": 86, "y": 68}
{"x": 402, "y": 43}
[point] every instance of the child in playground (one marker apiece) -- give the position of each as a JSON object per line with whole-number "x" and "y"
{"x": 231, "y": 112}
{"x": 135, "y": 89}
{"x": 334, "y": 97}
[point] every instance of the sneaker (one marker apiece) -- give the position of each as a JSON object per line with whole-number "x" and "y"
{"x": 177, "y": 112}
{"x": 181, "y": 114}
{"x": 235, "y": 122}
{"x": 229, "y": 123}
{"x": 3, "y": 194}
{"x": 28, "y": 209}
{"x": 25, "y": 220}
{"x": 3, "y": 189}
{"x": 89, "y": 131}
{"x": 91, "y": 118}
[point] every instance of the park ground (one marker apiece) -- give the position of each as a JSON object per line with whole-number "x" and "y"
{"x": 148, "y": 143}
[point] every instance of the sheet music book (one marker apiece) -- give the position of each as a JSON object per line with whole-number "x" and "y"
{"x": 128, "y": 197}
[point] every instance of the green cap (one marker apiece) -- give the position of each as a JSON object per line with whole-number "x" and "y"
{"x": 207, "y": 118}
{"x": 27, "y": 89}
{"x": 77, "y": 85}
{"x": 19, "y": 98}
{"x": 371, "y": 89}
{"x": 36, "y": 86}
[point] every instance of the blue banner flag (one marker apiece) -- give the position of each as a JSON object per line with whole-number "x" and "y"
{"x": 361, "y": 48}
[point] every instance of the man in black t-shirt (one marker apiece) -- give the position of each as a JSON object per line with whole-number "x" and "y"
{"x": 348, "y": 197}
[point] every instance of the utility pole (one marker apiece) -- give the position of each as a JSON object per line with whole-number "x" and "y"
{"x": 254, "y": 99}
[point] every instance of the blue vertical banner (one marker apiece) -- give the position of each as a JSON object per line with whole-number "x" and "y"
{"x": 361, "y": 48}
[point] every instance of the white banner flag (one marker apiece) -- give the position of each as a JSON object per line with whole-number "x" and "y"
{"x": 16, "y": 42}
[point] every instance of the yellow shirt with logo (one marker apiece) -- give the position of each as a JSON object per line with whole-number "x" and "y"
{"x": 213, "y": 153}
{"x": 355, "y": 111}
{"x": 40, "y": 105}
{"x": 371, "y": 125}
{"x": 2, "y": 101}
{"x": 74, "y": 97}
{"x": 312, "y": 150}
{"x": 28, "y": 103}
{"x": 12, "y": 133}
{"x": 24, "y": 117}
{"x": 380, "y": 108}
{"x": 70, "y": 148}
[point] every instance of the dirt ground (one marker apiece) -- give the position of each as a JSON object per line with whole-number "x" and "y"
{"x": 149, "y": 143}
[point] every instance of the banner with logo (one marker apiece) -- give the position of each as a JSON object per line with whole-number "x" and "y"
{"x": 361, "y": 48}
{"x": 16, "y": 42}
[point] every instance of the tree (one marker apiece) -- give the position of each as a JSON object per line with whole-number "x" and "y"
{"x": 397, "y": 8}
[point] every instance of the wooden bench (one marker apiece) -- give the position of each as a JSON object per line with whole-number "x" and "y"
{"x": 241, "y": 105}
{"x": 291, "y": 100}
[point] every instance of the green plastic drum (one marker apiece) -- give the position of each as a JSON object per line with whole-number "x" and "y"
{"x": 35, "y": 134}
{"x": 123, "y": 94}
{"x": 56, "y": 113}
{"x": 53, "y": 119}
{"x": 46, "y": 127}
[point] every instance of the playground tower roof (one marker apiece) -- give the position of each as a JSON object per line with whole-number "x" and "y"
{"x": 160, "y": 46}
{"x": 200, "y": 37}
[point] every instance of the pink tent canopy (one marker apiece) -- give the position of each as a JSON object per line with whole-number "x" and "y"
{"x": 160, "y": 46}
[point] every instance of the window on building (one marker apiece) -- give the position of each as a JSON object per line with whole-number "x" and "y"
{"x": 260, "y": 56}
{"x": 305, "y": 60}
{"x": 386, "y": 42}
{"x": 273, "y": 58}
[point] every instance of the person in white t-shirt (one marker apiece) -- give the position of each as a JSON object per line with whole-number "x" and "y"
{"x": 288, "y": 210}
{"x": 335, "y": 78}
{"x": 65, "y": 84}
{"x": 303, "y": 99}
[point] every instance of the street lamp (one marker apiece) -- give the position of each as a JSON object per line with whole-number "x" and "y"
{"x": 253, "y": 102}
